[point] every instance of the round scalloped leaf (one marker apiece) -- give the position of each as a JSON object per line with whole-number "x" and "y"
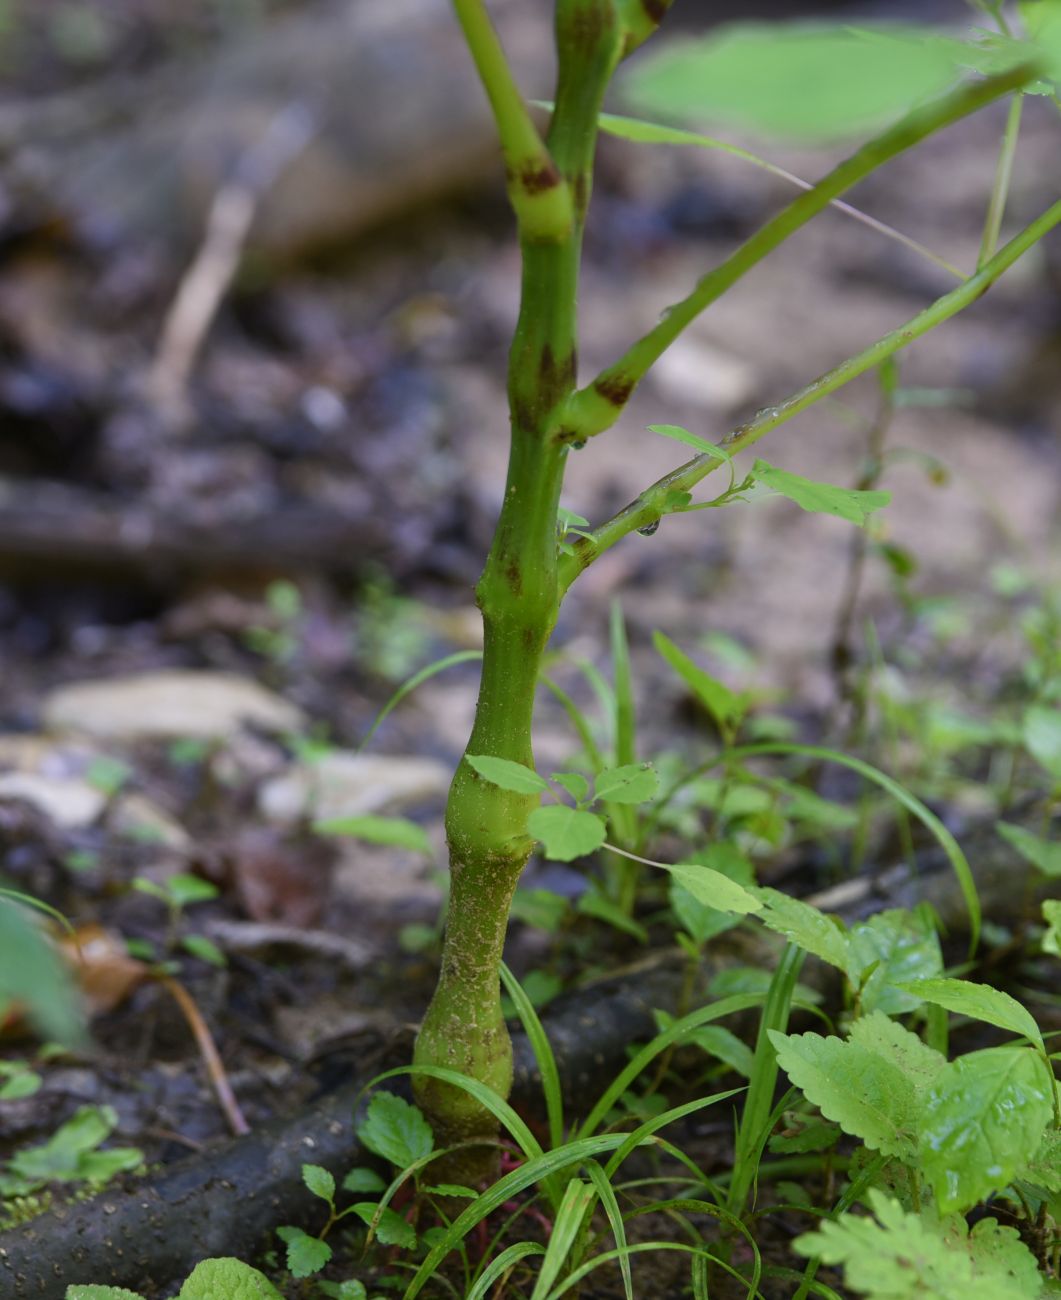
{"x": 101, "y": 1293}
{"x": 227, "y": 1279}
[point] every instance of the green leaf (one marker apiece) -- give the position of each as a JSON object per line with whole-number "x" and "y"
{"x": 820, "y": 498}
{"x": 805, "y": 80}
{"x": 886, "y": 1038}
{"x": 230, "y": 1278}
{"x": 541, "y": 908}
{"x": 101, "y": 1293}
{"x": 306, "y": 1255}
{"x": 713, "y": 889}
{"x": 702, "y": 921}
{"x": 724, "y": 706}
{"x": 203, "y": 948}
{"x": 453, "y": 1189}
{"x": 724, "y": 1046}
{"x": 350, "y": 1290}
{"x": 983, "y": 1120}
{"x": 1052, "y": 937}
{"x": 979, "y": 1002}
{"x": 320, "y": 1182}
{"x": 506, "y": 774}
{"x": 887, "y": 949}
{"x": 574, "y": 783}
{"x": 904, "y": 1256}
{"x": 33, "y": 974}
{"x": 1044, "y": 1168}
{"x": 675, "y": 431}
{"x": 863, "y": 1091}
{"x": 1042, "y": 737}
{"x": 1044, "y": 854}
{"x": 631, "y": 783}
{"x": 566, "y": 833}
{"x": 363, "y": 1180}
{"x": 804, "y": 926}
{"x": 398, "y": 832}
{"x": 19, "y": 1081}
{"x": 594, "y": 903}
{"x": 390, "y": 1228}
{"x": 59, "y": 1158}
{"x": 184, "y": 888}
{"x": 396, "y": 1130}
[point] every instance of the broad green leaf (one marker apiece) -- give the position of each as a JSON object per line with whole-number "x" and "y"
{"x": 231, "y": 1278}
{"x": 809, "y": 1135}
{"x": 101, "y": 1293}
{"x": 983, "y": 1120}
{"x": 724, "y": 1045}
{"x": 33, "y": 975}
{"x": 506, "y": 774}
{"x": 1044, "y": 854}
{"x": 805, "y": 80}
{"x": 398, "y": 832}
{"x": 863, "y": 1091}
{"x": 724, "y": 706}
{"x": 306, "y": 1255}
{"x": 921, "y": 1064}
{"x": 979, "y": 1002}
{"x": 396, "y": 1130}
{"x": 349, "y": 1290}
{"x": 59, "y": 1158}
{"x": 903, "y": 1256}
{"x": 541, "y": 908}
{"x": 566, "y": 833}
{"x": 678, "y": 434}
{"x": 361, "y": 1179}
{"x": 390, "y": 1228}
{"x": 319, "y": 1181}
{"x": 184, "y": 888}
{"x": 821, "y": 498}
{"x": 1044, "y": 1168}
{"x": 631, "y": 783}
{"x": 453, "y": 1189}
{"x": 1052, "y": 916}
{"x": 803, "y": 805}
{"x": 1042, "y": 737}
{"x": 203, "y": 948}
{"x": 804, "y": 926}
{"x": 887, "y": 949}
{"x": 20, "y": 1084}
{"x": 574, "y": 783}
{"x": 700, "y": 920}
{"x": 713, "y": 889}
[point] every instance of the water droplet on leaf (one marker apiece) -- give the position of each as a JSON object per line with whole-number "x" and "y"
{"x": 577, "y": 446}
{"x": 649, "y": 529}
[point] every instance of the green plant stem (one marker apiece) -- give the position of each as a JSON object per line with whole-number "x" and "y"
{"x": 996, "y": 207}
{"x": 651, "y": 505}
{"x": 595, "y": 408}
{"x": 519, "y": 596}
{"x": 541, "y": 201}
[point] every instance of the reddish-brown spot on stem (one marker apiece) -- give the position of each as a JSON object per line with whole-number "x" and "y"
{"x": 615, "y": 389}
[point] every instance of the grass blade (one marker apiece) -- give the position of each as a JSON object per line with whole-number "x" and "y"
{"x": 578, "y": 1198}
{"x": 608, "y": 1200}
{"x": 418, "y": 679}
{"x": 506, "y": 1260}
{"x": 543, "y": 1055}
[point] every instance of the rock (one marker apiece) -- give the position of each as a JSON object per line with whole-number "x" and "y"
{"x": 177, "y": 702}
{"x": 344, "y": 784}
{"x": 137, "y": 818}
{"x": 692, "y": 372}
{"x": 66, "y": 801}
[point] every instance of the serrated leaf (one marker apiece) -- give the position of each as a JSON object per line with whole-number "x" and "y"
{"x": 804, "y": 926}
{"x": 851, "y": 504}
{"x": 887, "y": 949}
{"x": 813, "y": 1136}
{"x": 574, "y": 783}
{"x": 982, "y": 1121}
{"x": 319, "y": 1181}
{"x": 865, "y": 1093}
{"x": 1044, "y": 1168}
{"x": 306, "y": 1255}
{"x": 1042, "y": 737}
{"x": 506, "y": 774}
{"x": 231, "y": 1278}
{"x": 903, "y": 1256}
{"x": 675, "y": 431}
{"x": 713, "y": 889}
{"x": 810, "y": 81}
{"x": 363, "y": 1180}
{"x": 566, "y": 833}
{"x": 349, "y": 1290}
{"x": 396, "y": 1130}
{"x": 391, "y": 1229}
{"x": 1044, "y": 854}
{"x": 700, "y": 920}
{"x": 630, "y": 783}
{"x": 921, "y": 1064}
{"x": 724, "y": 706}
{"x": 1052, "y": 917}
{"x": 979, "y": 1002}
{"x": 396, "y": 832}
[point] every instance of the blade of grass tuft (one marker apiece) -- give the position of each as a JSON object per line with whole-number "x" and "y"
{"x": 501, "y": 1265}
{"x": 578, "y": 1198}
{"x": 610, "y": 1203}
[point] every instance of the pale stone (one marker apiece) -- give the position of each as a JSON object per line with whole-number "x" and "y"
{"x": 698, "y": 374}
{"x": 344, "y": 784}
{"x": 137, "y": 817}
{"x": 176, "y": 702}
{"x": 64, "y": 800}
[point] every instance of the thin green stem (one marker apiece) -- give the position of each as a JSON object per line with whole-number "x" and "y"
{"x": 996, "y": 207}
{"x": 651, "y": 505}
{"x": 540, "y": 198}
{"x": 595, "y": 408}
